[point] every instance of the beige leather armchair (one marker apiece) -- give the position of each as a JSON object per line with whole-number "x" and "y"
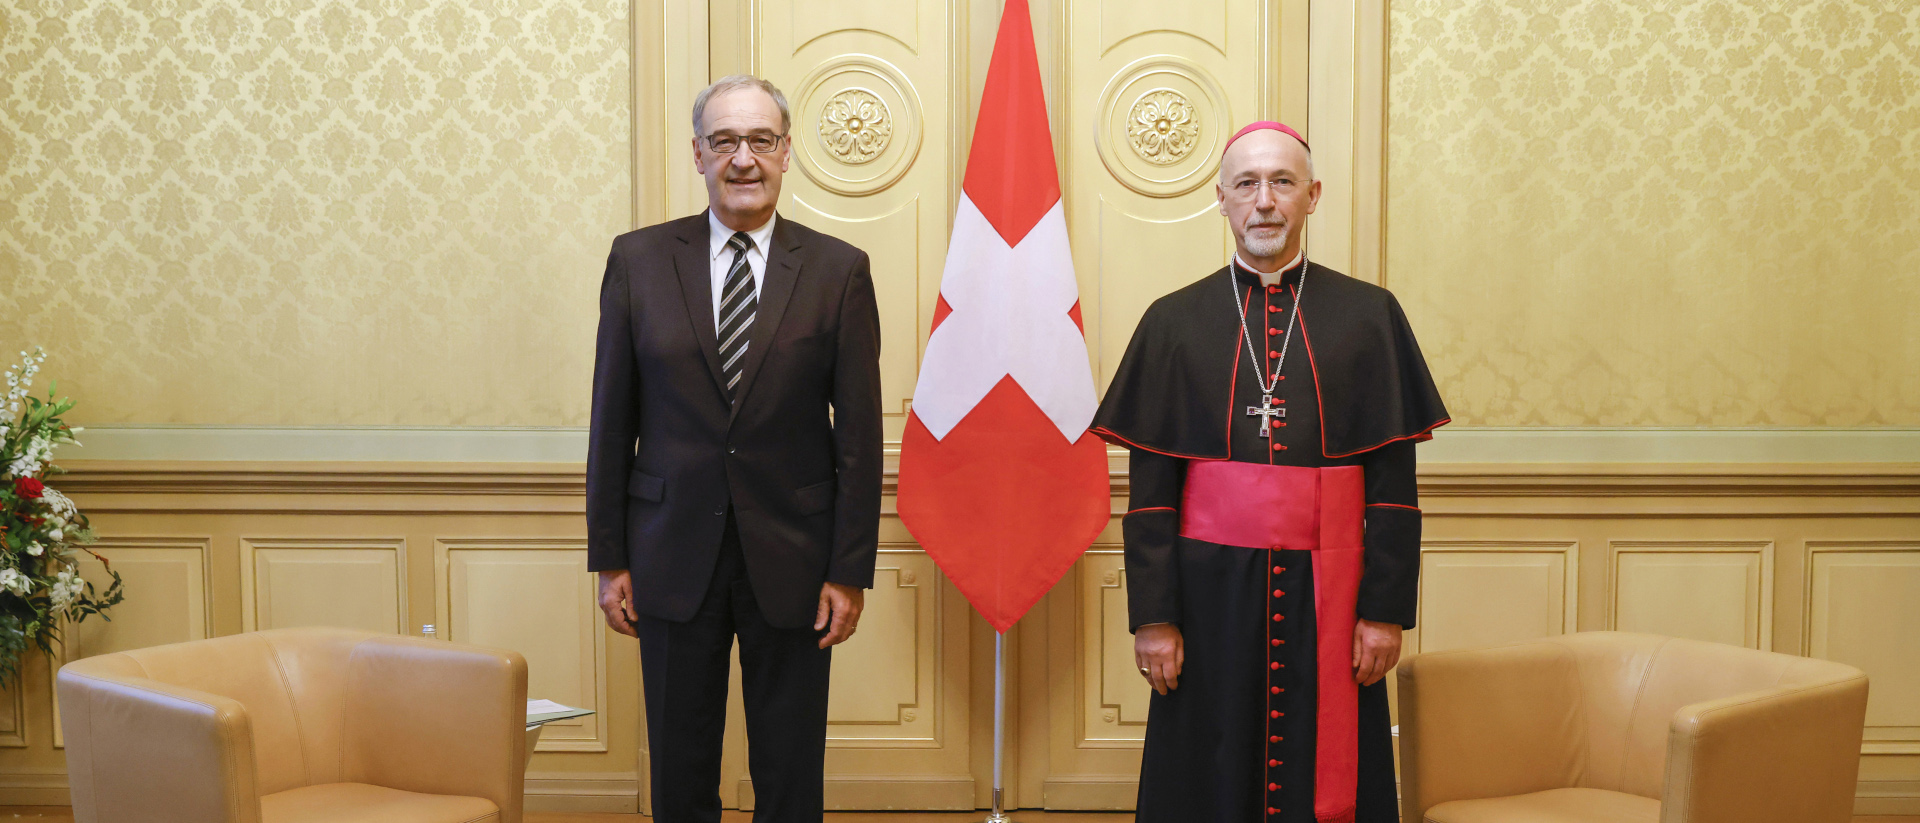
{"x": 297, "y": 726}
{"x": 1606, "y": 726}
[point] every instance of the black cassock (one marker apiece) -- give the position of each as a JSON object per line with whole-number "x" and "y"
{"x": 1356, "y": 393}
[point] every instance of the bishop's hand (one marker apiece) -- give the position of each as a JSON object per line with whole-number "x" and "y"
{"x": 1376, "y": 648}
{"x": 1159, "y": 651}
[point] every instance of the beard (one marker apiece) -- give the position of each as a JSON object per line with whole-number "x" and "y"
{"x": 1267, "y": 245}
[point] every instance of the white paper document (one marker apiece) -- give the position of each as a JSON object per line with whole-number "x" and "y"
{"x": 545, "y": 707}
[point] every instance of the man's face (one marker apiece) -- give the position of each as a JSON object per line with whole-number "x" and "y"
{"x": 744, "y": 186}
{"x": 1266, "y": 190}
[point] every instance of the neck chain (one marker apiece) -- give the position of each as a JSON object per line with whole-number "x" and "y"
{"x": 1269, "y": 380}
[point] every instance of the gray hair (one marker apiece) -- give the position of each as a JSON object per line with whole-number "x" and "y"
{"x": 735, "y": 82}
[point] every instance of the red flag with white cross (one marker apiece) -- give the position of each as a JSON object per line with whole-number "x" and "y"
{"x": 999, "y": 479}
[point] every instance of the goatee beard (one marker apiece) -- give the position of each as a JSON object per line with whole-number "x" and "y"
{"x": 1260, "y": 247}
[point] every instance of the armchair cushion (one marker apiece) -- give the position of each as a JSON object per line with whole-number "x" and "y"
{"x": 361, "y": 803}
{"x": 1551, "y": 806}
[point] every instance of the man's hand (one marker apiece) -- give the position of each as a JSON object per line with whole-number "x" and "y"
{"x": 616, "y": 600}
{"x": 1376, "y": 648}
{"x": 839, "y": 612}
{"x": 1159, "y": 651}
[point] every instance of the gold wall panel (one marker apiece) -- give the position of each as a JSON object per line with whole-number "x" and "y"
{"x": 1483, "y": 593}
{"x": 1862, "y": 611}
{"x": 1144, "y": 221}
{"x": 13, "y": 723}
{"x": 884, "y": 677}
{"x": 881, "y": 185}
{"x": 247, "y": 212}
{"x": 351, "y": 584}
{"x": 1653, "y": 213}
{"x": 1116, "y": 696}
{"x": 1717, "y": 592}
{"x": 536, "y": 597}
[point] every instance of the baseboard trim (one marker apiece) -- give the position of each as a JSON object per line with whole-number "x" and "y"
{"x": 1883, "y": 797}
{"x": 1089, "y": 793}
{"x": 31, "y": 789}
{"x": 616, "y": 792}
{"x": 881, "y": 793}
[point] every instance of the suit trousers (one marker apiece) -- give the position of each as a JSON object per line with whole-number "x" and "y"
{"x": 684, "y": 669}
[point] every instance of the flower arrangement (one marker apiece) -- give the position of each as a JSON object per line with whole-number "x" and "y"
{"x": 42, "y": 532}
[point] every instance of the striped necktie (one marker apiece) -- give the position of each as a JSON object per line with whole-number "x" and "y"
{"x": 738, "y": 304}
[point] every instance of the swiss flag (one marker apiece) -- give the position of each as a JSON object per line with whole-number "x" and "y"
{"x": 999, "y": 479}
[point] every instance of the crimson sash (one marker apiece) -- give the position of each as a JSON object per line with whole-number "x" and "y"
{"x": 1319, "y": 510}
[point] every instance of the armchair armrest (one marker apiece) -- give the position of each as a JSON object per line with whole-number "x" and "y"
{"x": 1488, "y": 723}
{"x": 1785, "y": 755}
{"x": 138, "y": 749}
{"x": 438, "y": 718}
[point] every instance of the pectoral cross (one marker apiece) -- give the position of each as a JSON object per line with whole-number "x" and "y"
{"x": 1266, "y": 411}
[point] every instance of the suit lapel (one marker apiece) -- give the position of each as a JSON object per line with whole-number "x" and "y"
{"x": 783, "y": 271}
{"x": 694, "y": 264}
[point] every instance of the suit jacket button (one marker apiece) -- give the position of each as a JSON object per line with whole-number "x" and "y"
{"x": 731, "y": 450}
{"x": 719, "y": 511}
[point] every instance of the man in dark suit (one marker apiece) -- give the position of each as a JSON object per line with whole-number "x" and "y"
{"x": 723, "y": 499}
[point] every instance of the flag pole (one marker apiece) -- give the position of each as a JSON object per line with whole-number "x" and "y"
{"x": 999, "y": 814}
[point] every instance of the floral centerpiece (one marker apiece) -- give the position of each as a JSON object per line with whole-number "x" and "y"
{"x": 42, "y": 533}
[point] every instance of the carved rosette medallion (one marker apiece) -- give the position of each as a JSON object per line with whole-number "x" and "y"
{"x": 1162, "y": 127}
{"x": 855, "y": 126}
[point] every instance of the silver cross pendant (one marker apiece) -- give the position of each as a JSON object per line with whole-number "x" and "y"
{"x": 1267, "y": 412}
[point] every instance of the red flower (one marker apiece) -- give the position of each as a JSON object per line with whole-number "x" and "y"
{"x": 29, "y": 488}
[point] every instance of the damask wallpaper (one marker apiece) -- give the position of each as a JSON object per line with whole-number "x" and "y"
{"x": 1660, "y": 212}
{"x": 312, "y": 212}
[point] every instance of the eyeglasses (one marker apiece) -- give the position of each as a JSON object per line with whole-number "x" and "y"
{"x": 1250, "y": 189}
{"x": 730, "y": 143}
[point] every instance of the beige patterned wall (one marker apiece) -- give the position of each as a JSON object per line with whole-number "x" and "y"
{"x": 325, "y": 212}
{"x": 1685, "y": 213}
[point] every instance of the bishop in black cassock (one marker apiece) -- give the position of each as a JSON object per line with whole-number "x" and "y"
{"x": 1273, "y": 540}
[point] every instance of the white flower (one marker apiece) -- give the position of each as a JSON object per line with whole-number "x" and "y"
{"x": 59, "y": 506}
{"x": 36, "y": 549}
{"x": 15, "y": 582}
{"x": 65, "y": 590}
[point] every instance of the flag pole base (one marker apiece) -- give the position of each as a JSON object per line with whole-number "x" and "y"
{"x": 997, "y": 815}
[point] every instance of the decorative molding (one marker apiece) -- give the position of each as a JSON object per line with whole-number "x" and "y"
{"x": 888, "y": 87}
{"x": 1880, "y": 739}
{"x": 251, "y": 566}
{"x": 1757, "y": 603}
{"x": 1564, "y": 552}
{"x": 855, "y": 126}
{"x": 583, "y": 792}
{"x": 1452, "y": 444}
{"x": 1162, "y": 127}
{"x": 585, "y": 734}
{"x": 1120, "y": 104}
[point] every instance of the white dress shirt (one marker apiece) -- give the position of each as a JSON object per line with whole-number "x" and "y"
{"x": 721, "y": 258}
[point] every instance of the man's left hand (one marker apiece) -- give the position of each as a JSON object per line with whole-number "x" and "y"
{"x": 839, "y": 612}
{"x": 1376, "y": 648}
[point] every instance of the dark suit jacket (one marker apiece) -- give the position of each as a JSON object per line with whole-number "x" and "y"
{"x": 668, "y": 454}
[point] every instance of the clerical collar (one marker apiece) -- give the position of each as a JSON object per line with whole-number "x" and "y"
{"x": 1287, "y": 274}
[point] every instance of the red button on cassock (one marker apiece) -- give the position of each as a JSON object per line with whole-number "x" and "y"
{"x": 1274, "y": 714}
{"x": 1273, "y": 787}
{"x": 1276, "y": 618}
{"x": 1274, "y": 739}
{"x": 1275, "y": 689}
{"x": 1274, "y": 355}
{"x": 1273, "y": 308}
{"x": 1276, "y": 570}
{"x": 1273, "y": 332}
{"x": 1279, "y": 448}
{"x": 1272, "y": 763}
{"x": 1272, "y": 810}
{"x": 1276, "y": 667}
{"x": 1274, "y": 642}
{"x": 1277, "y": 592}
{"x": 1273, "y": 289}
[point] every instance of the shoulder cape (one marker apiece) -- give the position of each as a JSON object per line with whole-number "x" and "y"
{"x": 1173, "y": 393}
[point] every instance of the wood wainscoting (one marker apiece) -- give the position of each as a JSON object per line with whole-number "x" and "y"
{"x": 1819, "y": 559}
